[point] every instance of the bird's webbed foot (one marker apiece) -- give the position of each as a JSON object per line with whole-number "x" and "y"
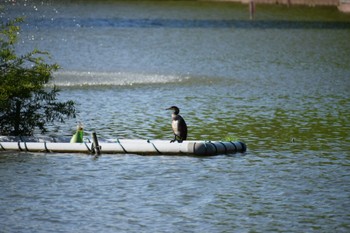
{"x": 175, "y": 139}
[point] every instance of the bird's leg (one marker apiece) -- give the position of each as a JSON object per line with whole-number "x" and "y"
{"x": 179, "y": 140}
{"x": 173, "y": 139}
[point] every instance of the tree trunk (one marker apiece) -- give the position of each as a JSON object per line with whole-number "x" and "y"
{"x": 17, "y": 118}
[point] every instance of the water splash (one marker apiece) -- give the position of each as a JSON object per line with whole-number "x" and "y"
{"x": 84, "y": 78}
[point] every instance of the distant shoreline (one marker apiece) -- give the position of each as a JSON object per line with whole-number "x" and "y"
{"x": 343, "y": 5}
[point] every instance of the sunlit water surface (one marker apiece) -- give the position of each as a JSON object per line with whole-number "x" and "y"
{"x": 280, "y": 84}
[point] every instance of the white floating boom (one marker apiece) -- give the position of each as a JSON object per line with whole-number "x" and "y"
{"x": 130, "y": 146}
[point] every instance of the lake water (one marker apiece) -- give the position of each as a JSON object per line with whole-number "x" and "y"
{"x": 280, "y": 83}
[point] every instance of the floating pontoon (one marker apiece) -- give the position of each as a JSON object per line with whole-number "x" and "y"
{"x": 130, "y": 146}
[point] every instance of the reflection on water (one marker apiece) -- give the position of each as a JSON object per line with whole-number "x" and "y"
{"x": 280, "y": 84}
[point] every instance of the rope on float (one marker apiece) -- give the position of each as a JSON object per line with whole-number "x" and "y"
{"x": 88, "y": 147}
{"x": 216, "y": 149}
{"x": 3, "y": 148}
{"x": 46, "y": 149}
{"x": 224, "y": 146}
{"x": 19, "y": 146}
{"x": 205, "y": 146}
{"x": 154, "y": 146}
{"x": 244, "y": 146}
{"x": 236, "y": 150}
{"x": 25, "y": 146}
{"x": 121, "y": 146}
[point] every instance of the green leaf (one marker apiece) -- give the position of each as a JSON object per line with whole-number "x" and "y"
{"x": 25, "y": 103}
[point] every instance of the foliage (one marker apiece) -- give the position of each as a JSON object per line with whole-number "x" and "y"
{"x": 25, "y": 102}
{"x": 230, "y": 138}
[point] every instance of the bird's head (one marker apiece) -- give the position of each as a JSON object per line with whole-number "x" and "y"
{"x": 175, "y": 109}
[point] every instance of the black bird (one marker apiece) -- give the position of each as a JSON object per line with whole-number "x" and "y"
{"x": 178, "y": 124}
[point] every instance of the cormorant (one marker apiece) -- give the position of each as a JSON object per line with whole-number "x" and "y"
{"x": 178, "y": 124}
